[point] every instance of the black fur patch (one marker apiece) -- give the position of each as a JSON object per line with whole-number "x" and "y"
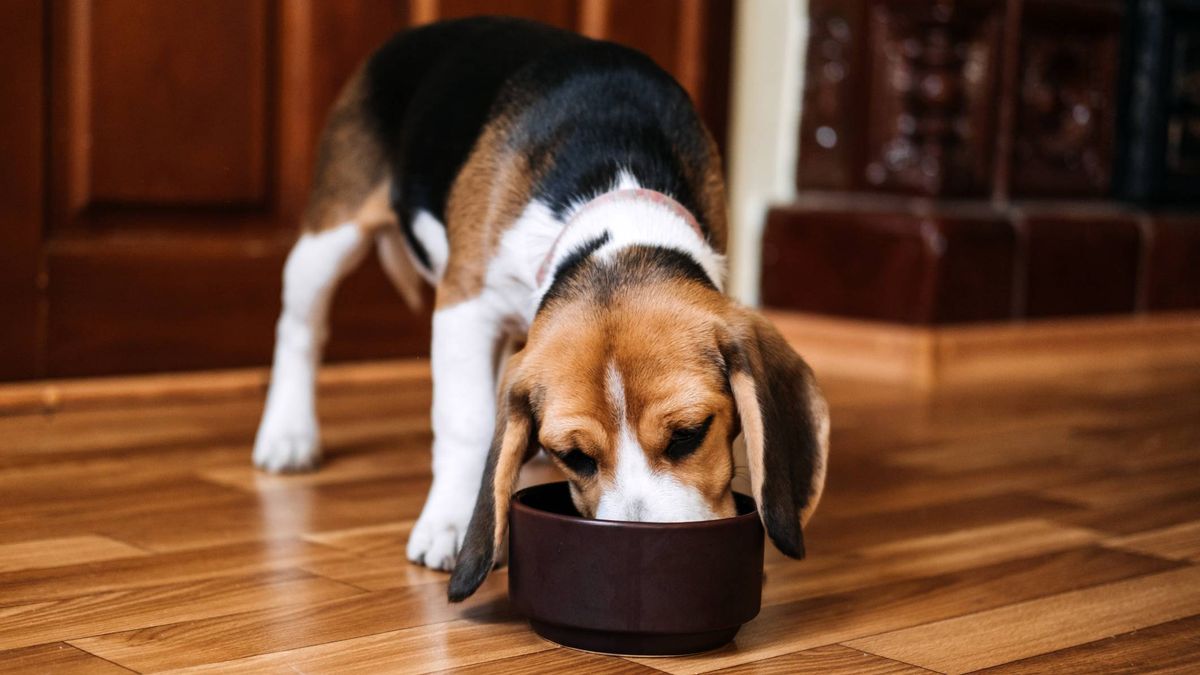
{"x": 406, "y": 226}
{"x": 569, "y": 266}
{"x": 582, "y": 111}
{"x": 603, "y": 109}
{"x": 431, "y": 90}
{"x": 633, "y": 266}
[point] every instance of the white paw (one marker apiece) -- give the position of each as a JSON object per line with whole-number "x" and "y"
{"x": 438, "y": 534}
{"x": 287, "y": 445}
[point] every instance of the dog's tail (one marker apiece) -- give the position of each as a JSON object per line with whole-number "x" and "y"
{"x": 399, "y": 266}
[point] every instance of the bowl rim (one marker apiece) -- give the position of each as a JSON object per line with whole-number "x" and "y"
{"x": 516, "y": 505}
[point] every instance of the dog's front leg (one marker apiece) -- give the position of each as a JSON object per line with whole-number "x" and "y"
{"x": 465, "y": 341}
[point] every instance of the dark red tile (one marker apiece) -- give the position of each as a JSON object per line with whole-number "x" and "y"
{"x": 889, "y": 265}
{"x": 1081, "y": 264}
{"x": 1173, "y": 276}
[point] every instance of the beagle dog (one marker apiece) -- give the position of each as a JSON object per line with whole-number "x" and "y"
{"x": 562, "y": 195}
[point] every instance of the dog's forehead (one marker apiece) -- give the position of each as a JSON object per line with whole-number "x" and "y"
{"x": 657, "y": 347}
{"x": 667, "y": 354}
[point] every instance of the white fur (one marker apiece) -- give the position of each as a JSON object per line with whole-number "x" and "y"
{"x": 432, "y": 234}
{"x": 637, "y": 492}
{"x": 633, "y": 222}
{"x": 288, "y": 437}
{"x": 465, "y": 339}
{"x": 513, "y": 272}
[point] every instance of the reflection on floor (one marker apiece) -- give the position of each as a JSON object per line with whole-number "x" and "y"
{"x": 1033, "y": 528}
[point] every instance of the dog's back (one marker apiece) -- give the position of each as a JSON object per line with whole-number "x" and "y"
{"x": 579, "y": 110}
{"x": 430, "y": 91}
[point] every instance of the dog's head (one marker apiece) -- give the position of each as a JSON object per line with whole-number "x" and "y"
{"x": 637, "y": 391}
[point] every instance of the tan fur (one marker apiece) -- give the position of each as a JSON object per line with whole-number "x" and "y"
{"x": 713, "y": 207}
{"x": 670, "y": 376}
{"x": 351, "y": 171}
{"x": 819, "y": 411}
{"x": 508, "y": 466}
{"x": 375, "y": 212}
{"x": 746, "y": 396}
{"x": 487, "y": 197}
{"x": 352, "y": 183}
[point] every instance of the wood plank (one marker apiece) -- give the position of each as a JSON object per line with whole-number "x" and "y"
{"x": 1178, "y": 542}
{"x": 841, "y": 617}
{"x": 921, "y": 557}
{"x": 1136, "y": 517}
{"x": 378, "y": 561}
{"x": 45, "y": 553}
{"x": 556, "y": 660}
{"x": 114, "y": 392}
{"x": 1115, "y": 490}
{"x": 830, "y": 533}
{"x": 1166, "y": 648}
{"x": 123, "y": 501}
{"x": 166, "y": 424}
{"x": 40, "y": 585}
{"x": 274, "y": 515}
{"x": 1025, "y": 629}
{"x": 253, "y": 633}
{"x": 895, "y": 487}
{"x": 375, "y": 456}
{"x": 834, "y": 658}
{"x": 25, "y": 625}
{"x": 58, "y": 658}
{"x": 422, "y": 649}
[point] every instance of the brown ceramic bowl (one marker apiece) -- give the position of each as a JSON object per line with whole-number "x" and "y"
{"x": 632, "y": 588}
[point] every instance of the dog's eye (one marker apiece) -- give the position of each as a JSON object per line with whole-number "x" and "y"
{"x": 579, "y": 462}
{"x": 685, "y": 441}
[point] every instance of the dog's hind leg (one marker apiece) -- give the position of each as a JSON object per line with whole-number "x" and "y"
{"x": 346, "y": 211}
{"x": 288, "y": 438}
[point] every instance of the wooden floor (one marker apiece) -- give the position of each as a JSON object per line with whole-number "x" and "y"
{"x": 1038, "y": 528}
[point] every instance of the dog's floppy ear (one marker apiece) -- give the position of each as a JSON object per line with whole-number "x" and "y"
{"x": 514, "y": 436}
{"x": 785, "y": 421}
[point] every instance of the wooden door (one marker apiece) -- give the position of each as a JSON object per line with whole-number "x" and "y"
{"x": 163, "y": 149}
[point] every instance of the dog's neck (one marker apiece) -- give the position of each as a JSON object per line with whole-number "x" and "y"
{"x": 624, "y": 202}
{"x": 626, "y": 217}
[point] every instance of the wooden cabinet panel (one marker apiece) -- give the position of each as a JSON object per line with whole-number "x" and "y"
{"x": 640, "y": 23}
{"x": 559, "y": 13}
{"x": 22, "y": 138}
{"x": 183, "y": 145}
{"x": 165, "y": 102}
{"x": 146, "y": 306}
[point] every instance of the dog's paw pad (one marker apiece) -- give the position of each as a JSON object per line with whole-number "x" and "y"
{"x": 286, "y": 452}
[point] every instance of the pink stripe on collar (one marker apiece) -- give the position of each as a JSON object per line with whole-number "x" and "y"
{"x": 632, "y": 194}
